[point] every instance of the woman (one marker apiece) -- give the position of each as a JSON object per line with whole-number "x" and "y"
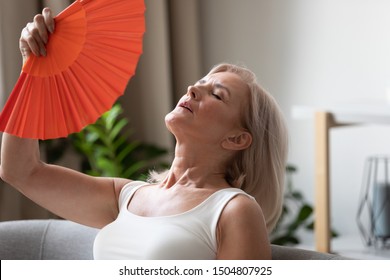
{"x": 220, "y": 198}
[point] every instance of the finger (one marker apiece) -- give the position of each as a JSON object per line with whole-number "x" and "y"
{"x": 38, "y": 32}
{"x": 42, "y": 35}
{"x": 40, "y": 25}
{"x": 49, "y": 19}
{"x": 34, "y": 40}
{"x": 28, "y": 43}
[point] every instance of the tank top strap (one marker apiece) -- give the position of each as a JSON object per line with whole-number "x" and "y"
{"x": 128, "y": 191}
{"x": 210, "y": 211}
{"x": 219, "y": 199}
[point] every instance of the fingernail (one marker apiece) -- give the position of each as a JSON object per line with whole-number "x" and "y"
{"x": 43, "y": 52}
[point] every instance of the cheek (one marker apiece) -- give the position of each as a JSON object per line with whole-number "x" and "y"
{"x": 224, "y": 117}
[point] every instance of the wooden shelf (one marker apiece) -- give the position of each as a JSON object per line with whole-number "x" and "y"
{"x": 325, "y": 119}
{"x": 348, "y": 114}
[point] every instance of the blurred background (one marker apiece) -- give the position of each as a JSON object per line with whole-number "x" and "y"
{"x": 305, "y": 53}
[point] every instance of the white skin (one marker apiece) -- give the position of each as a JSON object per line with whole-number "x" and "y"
{"x": 208, "y": 131}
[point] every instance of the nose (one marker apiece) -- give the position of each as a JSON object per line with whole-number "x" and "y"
{"x": 193, "y": 92}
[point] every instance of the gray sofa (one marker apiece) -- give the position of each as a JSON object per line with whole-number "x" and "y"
{"x": 65, "y": 240}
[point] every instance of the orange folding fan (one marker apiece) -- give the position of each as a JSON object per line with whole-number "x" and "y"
{"x": 90, "y": 58}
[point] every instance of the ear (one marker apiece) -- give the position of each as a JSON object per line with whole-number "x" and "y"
{"x": 239, "y": 141}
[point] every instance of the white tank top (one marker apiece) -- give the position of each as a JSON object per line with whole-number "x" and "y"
{"x": 186, "y": 236}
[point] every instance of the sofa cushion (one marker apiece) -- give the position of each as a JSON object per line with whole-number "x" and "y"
{"x": 46, "y": 240}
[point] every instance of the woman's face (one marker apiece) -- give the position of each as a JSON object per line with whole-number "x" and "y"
{"x": 211, "y": 109}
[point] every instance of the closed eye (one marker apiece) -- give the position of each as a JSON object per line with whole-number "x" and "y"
{"x": 216, "y": 96}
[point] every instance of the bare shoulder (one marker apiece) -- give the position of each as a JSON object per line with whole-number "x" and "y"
{"x": 242, "y": 231}
{"x": 119, "y": 183}
{"x": 244, "y": 207}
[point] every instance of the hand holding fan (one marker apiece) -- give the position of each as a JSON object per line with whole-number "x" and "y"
{"x": 90, "y": 58}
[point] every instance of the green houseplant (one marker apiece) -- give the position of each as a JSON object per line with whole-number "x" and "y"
{"x": 106, "y": 149}
{"x": 297, "y": 214}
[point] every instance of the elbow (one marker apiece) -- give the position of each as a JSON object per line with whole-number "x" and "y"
{"x": 3, "y": 174}
{"x": 20, "y": 177}
{"x": 7, "y": 175}
{"x": 13, "y": 177}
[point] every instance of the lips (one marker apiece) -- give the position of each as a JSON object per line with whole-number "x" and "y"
{"x": 185, "y": 105}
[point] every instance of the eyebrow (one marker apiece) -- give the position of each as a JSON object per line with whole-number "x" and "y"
{"x": 217, "y": 85}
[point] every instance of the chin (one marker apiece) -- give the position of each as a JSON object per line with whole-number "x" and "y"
{"x": 175, "y": 123}
{"x": 170, "y": 120}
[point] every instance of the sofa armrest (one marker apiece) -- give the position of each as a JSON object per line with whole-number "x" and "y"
{"x": 291, "y": 253}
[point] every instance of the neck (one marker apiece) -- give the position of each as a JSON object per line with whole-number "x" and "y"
{"x": 196, "y": 167}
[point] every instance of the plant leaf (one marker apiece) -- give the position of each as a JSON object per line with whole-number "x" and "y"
{"x": 297, "y": 195}
{"x": 111, "y": 116}
{"x": 121, "y": 140}
{"x": 108, "y": 168}
{"x": 117, "y": 128}
{"x": 291, "y": 168}
{"x": 310, "y": 226}
{"x": 129, "y": 172}
{"x": 99, "y": 133}
{"x": 305, "y": 212}
{"x": 126, "y": 151}
{"x": 303, "y": 215}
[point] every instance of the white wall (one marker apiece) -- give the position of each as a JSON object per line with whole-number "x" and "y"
{"x": 305, "y": 52}
{"x": 340, "y": 56}
{"x": 11, "y": 27}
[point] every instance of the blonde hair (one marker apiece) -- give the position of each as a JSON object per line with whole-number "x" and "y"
{"x": 260, "y": 169}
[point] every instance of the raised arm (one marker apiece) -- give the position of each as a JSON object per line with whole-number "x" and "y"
{"x": 70, "y": 194}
